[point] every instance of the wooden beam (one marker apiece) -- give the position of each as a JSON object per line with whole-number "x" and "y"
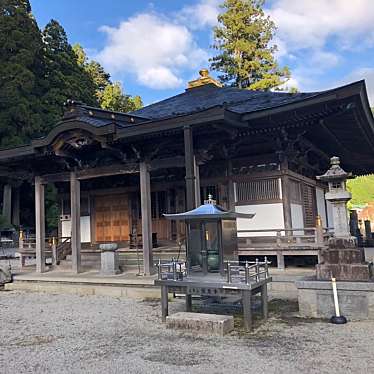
{"x": 115, "y": 169}
{"x": 75, "y": 222}
{"x": 7, "y": 203}
{"x": 145, "y": 200}
{"x": 197, "y": 183}
{"x": 39, "y": 225}
{"x": 16, "y": 207}
{"x": 190, "y": 173}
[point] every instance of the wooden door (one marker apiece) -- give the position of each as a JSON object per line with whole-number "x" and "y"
{"x": 112, "y": 218}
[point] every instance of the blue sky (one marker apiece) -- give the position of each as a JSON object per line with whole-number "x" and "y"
{"x": 155, "y": 47}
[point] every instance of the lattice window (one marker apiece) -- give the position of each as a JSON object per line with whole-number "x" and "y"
{"x": 310, "y": 206}
{"x": 295, "y": 191}
{"x": 259, "y": 190}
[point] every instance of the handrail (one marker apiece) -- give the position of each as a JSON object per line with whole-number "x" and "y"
{"x": 285, "y": 230}
{"x": 61, "y": 250}
{"x": 260, "y": 268}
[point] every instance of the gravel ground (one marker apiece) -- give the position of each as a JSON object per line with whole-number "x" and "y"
{"x": 42, "y": 333}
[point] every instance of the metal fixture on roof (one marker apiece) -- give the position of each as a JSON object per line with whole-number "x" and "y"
{"x": 204, "y": 79}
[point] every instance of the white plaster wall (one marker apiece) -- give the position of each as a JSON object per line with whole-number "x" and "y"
{"x": 321, "y": 206}
{"x": 85, "y": 229}
{"x": 297, "y": 217}
{"x": 267, "y": 216}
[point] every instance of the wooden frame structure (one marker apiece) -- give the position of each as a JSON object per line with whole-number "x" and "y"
{"x": 251, "y": 148}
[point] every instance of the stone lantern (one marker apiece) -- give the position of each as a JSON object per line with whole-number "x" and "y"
{"x": 338, "y": 196}
{"x": 342, "y": 260}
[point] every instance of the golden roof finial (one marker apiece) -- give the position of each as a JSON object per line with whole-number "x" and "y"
{"x": 204, "y": 79}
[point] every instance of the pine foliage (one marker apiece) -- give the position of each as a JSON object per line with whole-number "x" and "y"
{"x": 21, "y": 77}
{"x": 40, "y": 71}
{"x": 246, "y": 51}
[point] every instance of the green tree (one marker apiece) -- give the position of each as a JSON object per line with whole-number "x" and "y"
{"x": 362, "y": 189}
{"x": 114, "y": 99}
{"x": 65, "y": 77}
{"x": 97, "y": 73}
{"x": 21, "y": 74}
{"x": 246, "y": 53}
{"x": 109, "y": 95}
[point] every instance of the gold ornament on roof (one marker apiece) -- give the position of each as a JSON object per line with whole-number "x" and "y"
{"x": 204, "y": 79}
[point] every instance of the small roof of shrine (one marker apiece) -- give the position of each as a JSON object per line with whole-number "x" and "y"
{"x": 208, "y": 211}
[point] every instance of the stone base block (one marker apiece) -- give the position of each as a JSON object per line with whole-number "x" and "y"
{"x": 109, "y": 262}
{"x": 356, "y": 299}
{"x": 202, "y": 323}
{"x": 343, "y": 272}
{"x": 342, "y": 256}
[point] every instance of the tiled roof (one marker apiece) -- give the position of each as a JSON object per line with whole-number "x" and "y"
{"x": 205, "y": 97}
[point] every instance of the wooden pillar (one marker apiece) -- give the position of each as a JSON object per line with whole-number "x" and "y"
{"x": 75, "y": 207}
{"x": 188, "y": 302}
{"x": 7, "y": 203}
{"x": 145, "y": 199}
{"x": 231, "y": 192}
{"x": 285, "y": 185}
{"x": 264, "y": 301}
{"x": 164, "y": 303}
{"x": 247, "y": 309}
{"x": 197, "y": 184}
{"x": 16, "y": 207}
{"x": 39, "y": 226}
{"x": 190, "y": 170}
{"x": 280, "y": 260}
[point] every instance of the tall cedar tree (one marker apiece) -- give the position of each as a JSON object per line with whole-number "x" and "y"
{"x": 244, "y": 37}
{"x": 65, "y": 77}
{"x": 109, "y": 95}
{"x": 22, "y": 74}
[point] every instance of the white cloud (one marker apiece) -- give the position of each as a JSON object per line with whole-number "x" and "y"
{"x": 313, "y": 35}
{"x": 201, "y": 15}
{"x": 323, "y": 60}
{"x": 308, "y": 23}
{"x": 155, "y": 49}
{"x": 291, "y": 83}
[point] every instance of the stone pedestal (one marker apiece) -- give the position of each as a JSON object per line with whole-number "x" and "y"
{"x": 315, "y": 297}
{"x": 109, "y": 259}
{"x": 343, "y": 261}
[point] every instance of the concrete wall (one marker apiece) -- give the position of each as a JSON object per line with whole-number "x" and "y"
{"x": 268, "y": 216}
{"x": 85, "y": 229}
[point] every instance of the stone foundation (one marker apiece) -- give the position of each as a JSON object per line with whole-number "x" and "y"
{"x": 343, "y": 261}
{"x": 356, "y": 299}
{"x": 201, "y": 323}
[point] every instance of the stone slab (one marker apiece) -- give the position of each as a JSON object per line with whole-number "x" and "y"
{"x": 202, "y": 323}
{"x": 356, "y": 299}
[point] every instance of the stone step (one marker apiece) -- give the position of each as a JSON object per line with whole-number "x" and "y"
{"x": 201, "y": 322}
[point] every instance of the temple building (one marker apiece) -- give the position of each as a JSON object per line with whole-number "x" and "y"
{"x": 253, "y": 151}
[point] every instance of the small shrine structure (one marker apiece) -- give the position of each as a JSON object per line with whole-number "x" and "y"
{"x": 211, "y": 236}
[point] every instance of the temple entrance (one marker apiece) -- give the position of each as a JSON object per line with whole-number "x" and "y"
{"x": 112, "y": 218}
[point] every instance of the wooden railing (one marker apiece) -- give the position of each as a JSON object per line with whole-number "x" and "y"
{"x": 58, "y": 248}
{"x": 284, "y": 238}
{"x": 62, "y": 249}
